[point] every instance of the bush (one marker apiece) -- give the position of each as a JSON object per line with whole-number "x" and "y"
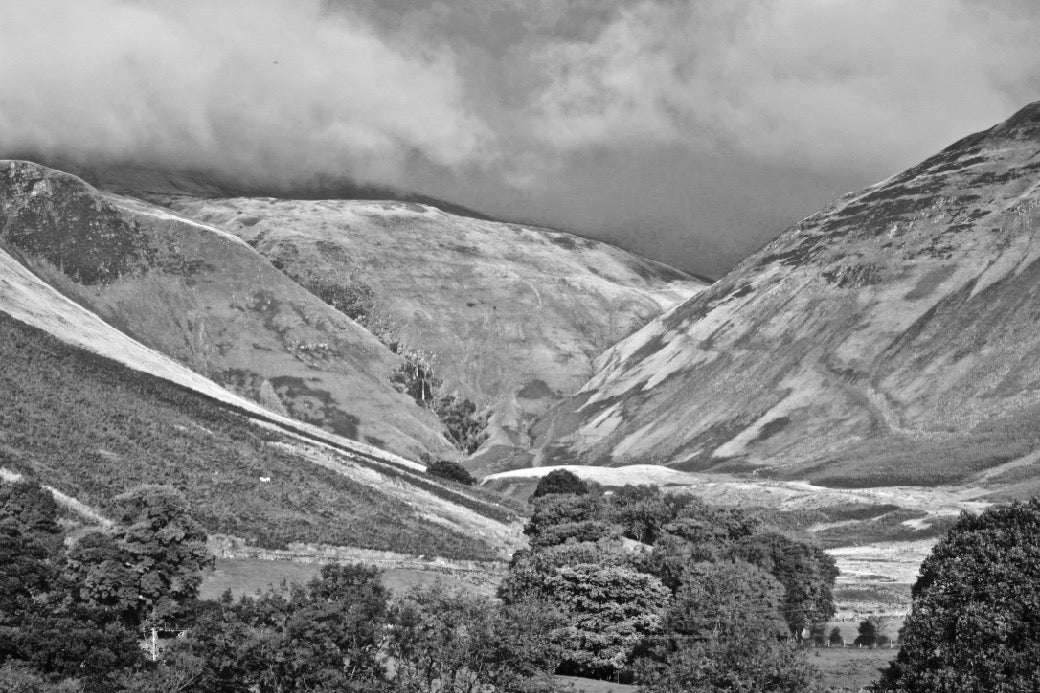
{"x": 452, "y": 471}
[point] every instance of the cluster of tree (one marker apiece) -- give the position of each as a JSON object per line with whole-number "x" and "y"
{"x": 687, "y": 596}
{"x": 975, "y": 619}
{"x": 464, "y": 426}
{"x": 71, "y": 619}
{"x": 74, "y": 619}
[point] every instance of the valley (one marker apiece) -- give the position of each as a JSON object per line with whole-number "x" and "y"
{"x": 856, "y": 385}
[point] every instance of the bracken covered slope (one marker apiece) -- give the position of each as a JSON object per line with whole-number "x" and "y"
{"x": 91, "y": 412}
{"x": 209, "y": 301}
{"x": 514, "y": 315}
{"x": 892, "y": 337}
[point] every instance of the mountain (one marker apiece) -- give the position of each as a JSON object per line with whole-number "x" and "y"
{"x": 90, "y": 412}
{"x": 891, "y": 338}
{"x": 212, "y": 303}
{"x": 512, "y": 316}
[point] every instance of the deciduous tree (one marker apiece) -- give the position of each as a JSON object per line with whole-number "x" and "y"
{"x": 975, "y": 619}
{"x": 723, "y": 633}
{"x": 560, "y": 481}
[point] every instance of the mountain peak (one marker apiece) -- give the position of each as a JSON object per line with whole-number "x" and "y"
{"x": 1023, "y": 124}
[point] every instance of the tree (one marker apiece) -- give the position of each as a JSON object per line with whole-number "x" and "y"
{"x": 696, "y": 532}
{"x": 80, "y": 644}
{"x": 610, "y": 611}
{"x": 450, "y": 641}
{"x": 27, "y": 558}
{"x": 98, "y": 574}
{"x": 529, "y": 570}
{"x": 166, "y": 545}
{"x": 835, "y": 637}
{"x": 722, "y": 631}
{"x": 148, "y": 567}
{"x": 806, "y": 572}
{"x": 560, "y": 481}
{"x": 26, "y": 575}
{"x": 867, "y": 633}
{"x": 975, "y": 620}
{"x": 725, "y": 600}
{"x": 558, "y": 518}
{"x": 752, "y": 664}
{"x": 325, "y": 636}
{"x": 31, "y": 509}
{"x": 640, "y": 511}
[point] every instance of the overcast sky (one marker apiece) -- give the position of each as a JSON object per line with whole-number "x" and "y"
{"x": 689, "y": 130}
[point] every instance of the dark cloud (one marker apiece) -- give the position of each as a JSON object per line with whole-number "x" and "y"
{"x": 690, "y": 130}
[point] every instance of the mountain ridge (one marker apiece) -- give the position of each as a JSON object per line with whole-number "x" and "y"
{"x": 812, "y": 349}
{"x": 511, "y": 315}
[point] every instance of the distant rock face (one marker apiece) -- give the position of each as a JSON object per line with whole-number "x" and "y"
{"x": 892, "y": 337}
{"x": 207, "y": 299}
{"x": 513, "y": 315}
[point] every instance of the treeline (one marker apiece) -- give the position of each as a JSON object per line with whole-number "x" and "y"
{"x": 634, "y": 584}
{"x": 74, "y": 619}
{"x": 667, "y": 590}
{"x": 71, "y": 618}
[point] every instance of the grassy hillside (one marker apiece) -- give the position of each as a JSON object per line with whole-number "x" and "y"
{"x": 889, "y": 339}
{"x": 512, "y": 316}
{"x": 93, "y": 428}
{"x": 210, "y": 302}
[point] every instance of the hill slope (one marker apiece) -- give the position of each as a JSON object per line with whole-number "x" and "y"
{"x": 513, "y": 314}
{"x": 208, "y": 300}
{"x": 891, "y": 338}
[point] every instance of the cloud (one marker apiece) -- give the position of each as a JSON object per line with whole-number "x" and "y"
{"x": 689, "y": 129}
{"x": 820, "y": 84}
{"x": 265, "y": 88}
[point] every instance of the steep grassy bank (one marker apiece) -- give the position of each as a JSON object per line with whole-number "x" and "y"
{"x": 93, "y": 428}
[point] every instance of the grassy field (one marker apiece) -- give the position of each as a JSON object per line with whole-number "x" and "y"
{"x": 849, "y": 668}
{"x": 841, "y": 669}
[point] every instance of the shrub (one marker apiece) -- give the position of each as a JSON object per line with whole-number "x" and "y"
{"x": 355, "y": 299}
{"x": 452, "y": 471}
